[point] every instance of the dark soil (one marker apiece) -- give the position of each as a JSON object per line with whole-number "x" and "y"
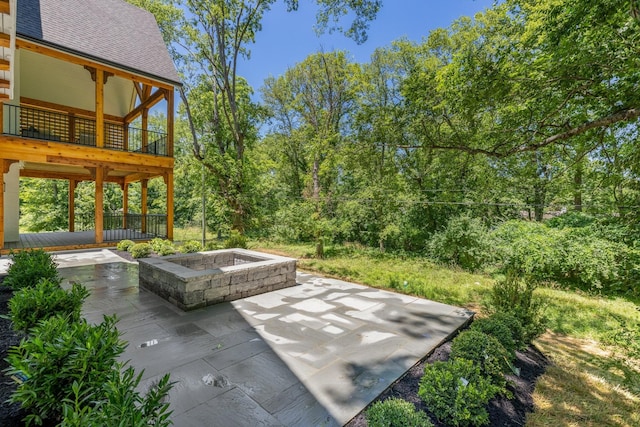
{"x": 503, "y": 412}
{"x": 10, "y": 414}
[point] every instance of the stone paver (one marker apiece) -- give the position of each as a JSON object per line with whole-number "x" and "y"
{"x": 311, "y": 355}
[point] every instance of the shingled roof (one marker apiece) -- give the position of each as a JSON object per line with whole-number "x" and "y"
{"x": 112, "y": 32}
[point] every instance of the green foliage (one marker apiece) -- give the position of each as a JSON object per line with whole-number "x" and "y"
{"x": 498, "y": 329}
{"x": 124, "y": 245}
{"x": 236, "y": 240}
{"x": 571, "y": 220}
{"x": 118, "y": 403}
{"x": 57, "y": 354}
{"x": 140, "y": 250}
{"x": 30, "y": 305}
{"x": 484, "y": 350}
{"x": 515, "y": 296}
{"x": 396, "y": 412}
{"x": 191, "y": 246}
{"x": 463, "y": 242}
{"x": 162, "y": 246}
{"x": 457, "y": 392}
{"x": 28, "y": 267}
{"x": 513, "y": 325}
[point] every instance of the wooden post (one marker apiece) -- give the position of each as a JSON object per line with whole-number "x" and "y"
{"x": 170, "y": 121}
{"x": 125, "y": 204}
{"x": 168, "y": 180}
{"x": 2, "y": 171}
{"x": 72, "y": 206}
{"x": 125, "y": 137}
{"x": 99, "y": 208}
{"x": 145, "y": 125}
{"x": 143, "y": 208}
{"x": 99, "y": 108}
{"x": 72, "y": 128}
{"x": 2, "y": 118}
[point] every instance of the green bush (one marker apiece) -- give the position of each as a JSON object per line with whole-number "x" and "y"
{"x": 484, "y": 350}
{"x": 28, "y": 267}
{"x": 29, "y": 306}
{"x": 571, "y": 220}
{"x": 515, "y": 296}
{"x": 118, "y": 403}
{"x": 513, "y": 325}
{"x": 156, "y": 243}
{"x": 124, "y": 245}
{"x": 166, "y": 248}
{"x": 235, "y": 240}
{"x": 457, "y": 392}
{"x": 463, "y": 242}
{"x": 497, "y": 328}
{"x": 396, "y": 412}
{"x": 140, "y": 250}
{"x": 57, "y": 354}
{"x": 191, "y": 246}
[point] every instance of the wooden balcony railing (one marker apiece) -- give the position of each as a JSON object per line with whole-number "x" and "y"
{"x": 29, "y": 122}
{"x": 118, "y": 226}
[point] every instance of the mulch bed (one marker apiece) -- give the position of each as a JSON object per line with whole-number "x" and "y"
{"x": 503, "y": 412}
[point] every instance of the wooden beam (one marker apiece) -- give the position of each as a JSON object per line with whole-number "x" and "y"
{"x": 138, "y": 88}
{"x": 40, "y": 174}
{"x": 5, "y": 84}
{"x": 4, "y": 7}
{"x": 66, "y": 109}
{"x": 31, "y": 150}
{"x": 152, "y": 100}
{"x": 4, "y": 65}
{"x": 168, "y": 180}
{"x": 72, "y": 205}
{"x": 27, "y": 45}
{"x": 99, "y": 201}
{"x": 5, "y": 40}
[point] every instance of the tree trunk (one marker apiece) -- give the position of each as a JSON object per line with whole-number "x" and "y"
{"x": 577, "y": 186}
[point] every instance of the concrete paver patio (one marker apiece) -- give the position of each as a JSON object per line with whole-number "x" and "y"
{"x": 312, "y": 354}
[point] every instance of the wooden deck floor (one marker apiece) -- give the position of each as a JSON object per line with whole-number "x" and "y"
{"x": 54, "y": 241}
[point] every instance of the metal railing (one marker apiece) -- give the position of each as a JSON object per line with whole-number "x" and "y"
{"x": 132, "y": 226}
{"x": 29, "y": 122}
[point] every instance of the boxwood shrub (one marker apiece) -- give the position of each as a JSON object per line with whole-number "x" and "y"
{"x": 28, "y": 267}
{"x": 485, "y": 351}
{"x": 396, "y": 412}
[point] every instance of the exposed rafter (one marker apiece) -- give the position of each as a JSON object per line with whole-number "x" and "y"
{"x": 5, "y": 7}
{"x": 5, "y": 40}
{"x": 153, "y": 99}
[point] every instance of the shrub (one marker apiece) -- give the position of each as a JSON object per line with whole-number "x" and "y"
{"x": 396, "y": 412}
{"x": 456, "y": 392}
{"x": 235, "y": 240}
{"x": 513, "y": 325}
{"x": 497, "y": 328}
{"x": 166, "y": 248}
{"x": 124, "y": 245}
{"x": 191, "y": 246}
{"x": 57, "y": 354}
{"x": 29, "y": 306}
{"x": 28, "y": 267}
{"x": 571, "y": 220}
{"x": 156, "y": 243}
{"x": 464, "y": 242}
{"x": 484, "y": 350}
{"x": 118, "y": 403}
{"x": 515, "y": 296}
{"x": 140, "y": 250}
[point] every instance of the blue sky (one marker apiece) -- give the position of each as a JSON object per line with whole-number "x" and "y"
{"x": 288, "y": 38}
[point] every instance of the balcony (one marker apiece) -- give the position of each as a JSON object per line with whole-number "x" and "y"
{"x": 46, "y": 125}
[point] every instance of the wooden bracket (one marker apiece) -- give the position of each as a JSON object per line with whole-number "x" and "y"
{"x": 92, "y": 71}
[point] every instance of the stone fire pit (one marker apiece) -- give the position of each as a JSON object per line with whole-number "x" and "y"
{"x": 199, "y": 279}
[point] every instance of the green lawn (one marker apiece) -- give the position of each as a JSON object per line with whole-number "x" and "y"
{"x": 593, "y": 340}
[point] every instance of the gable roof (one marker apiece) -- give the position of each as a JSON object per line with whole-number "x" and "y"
{"x": 112, "y": 32}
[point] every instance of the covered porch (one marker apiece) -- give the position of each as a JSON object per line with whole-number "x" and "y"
{"x": 60, "y": 240}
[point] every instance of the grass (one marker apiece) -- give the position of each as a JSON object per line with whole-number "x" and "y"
{"x": 592, "y": 340}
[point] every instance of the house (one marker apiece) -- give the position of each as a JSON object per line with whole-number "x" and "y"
{"x": 77, "y": 81}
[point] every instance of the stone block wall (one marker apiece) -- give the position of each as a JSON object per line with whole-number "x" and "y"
{"x": 196, "y": 280}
